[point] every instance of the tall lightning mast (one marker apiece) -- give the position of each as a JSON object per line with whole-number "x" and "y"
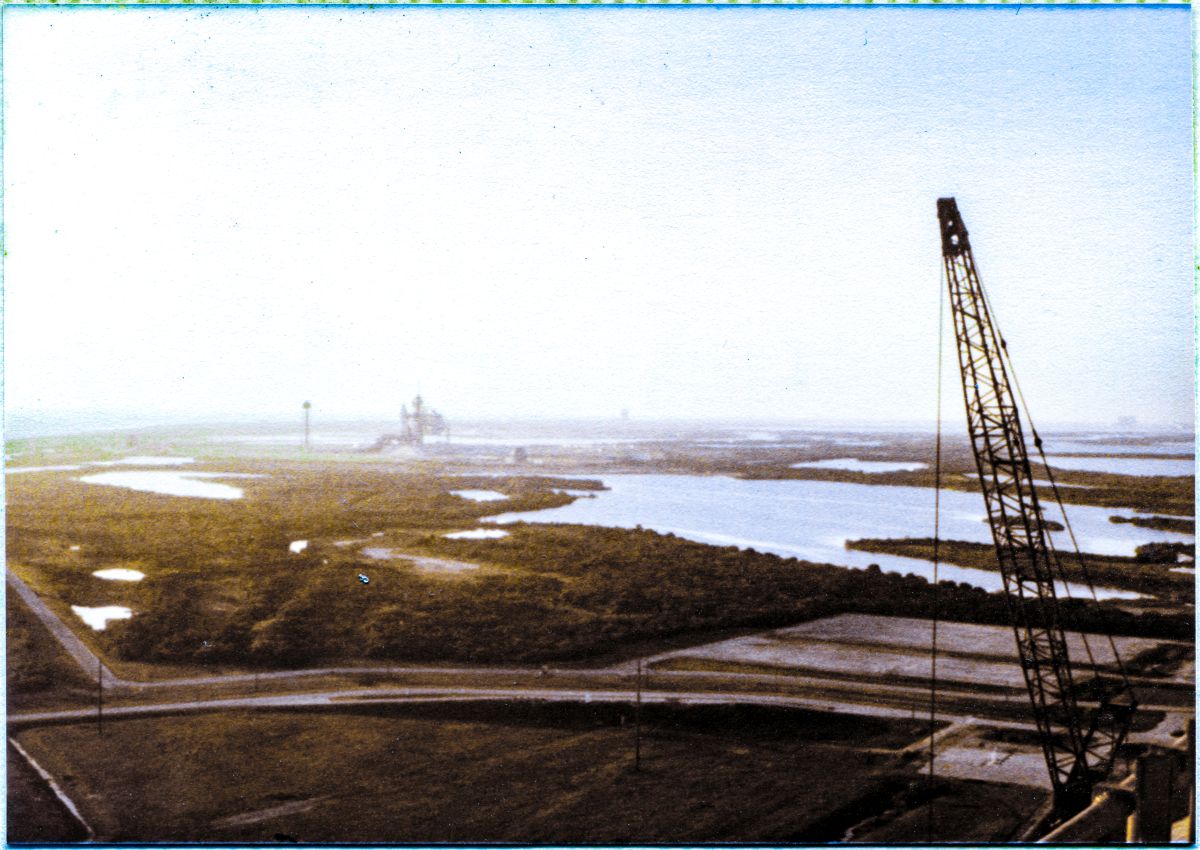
{"x": 1079, "y": 743}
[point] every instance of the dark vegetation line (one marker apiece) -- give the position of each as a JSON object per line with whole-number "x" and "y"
{"x": 1148, "y": 572}
{"x": 1159, "y": 523}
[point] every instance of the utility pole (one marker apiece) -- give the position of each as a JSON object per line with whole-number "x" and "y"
{"x": 637, "y": 721}
{"x": 307, "y": 407}
{"x": 1191, "y": 760}
{"x": 99, "y": 697}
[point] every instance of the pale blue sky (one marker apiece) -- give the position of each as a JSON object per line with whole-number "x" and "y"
{"x": 563, "y": 212}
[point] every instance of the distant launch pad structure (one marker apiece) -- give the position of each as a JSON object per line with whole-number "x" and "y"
{"x": 415, "y": 426}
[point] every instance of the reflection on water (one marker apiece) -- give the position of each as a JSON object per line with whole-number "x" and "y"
{"x": 98, "y": 618}
{"x": 189, "y": 484}
{"x": 297, "y": 546}
{"x": 812, "y": 520}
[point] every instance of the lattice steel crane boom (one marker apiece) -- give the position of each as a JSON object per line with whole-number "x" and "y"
{"x": 1079, "y": 742}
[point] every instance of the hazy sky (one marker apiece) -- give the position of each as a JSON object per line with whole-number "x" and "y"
{"x": 564, "y": 212}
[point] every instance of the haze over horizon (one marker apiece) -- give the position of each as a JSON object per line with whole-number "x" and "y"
{"x": 33, "y": 424}
{"x": 708, "y": 214}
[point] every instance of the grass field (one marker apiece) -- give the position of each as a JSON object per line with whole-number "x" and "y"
{"x": 39, "y": 674}
{"x": 35, "y": 815}
{"x": 477, "y": 773}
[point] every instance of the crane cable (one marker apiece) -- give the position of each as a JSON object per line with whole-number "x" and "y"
{"x": 937, "y": 493}
{"x": 1037, "y": 442}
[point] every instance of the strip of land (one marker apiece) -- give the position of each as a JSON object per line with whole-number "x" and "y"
{"x": 1145, "y": 575}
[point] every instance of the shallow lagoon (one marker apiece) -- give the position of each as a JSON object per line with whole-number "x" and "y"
{"x": 812, "y": 520}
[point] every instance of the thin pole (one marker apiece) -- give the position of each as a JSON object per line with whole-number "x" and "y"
{"x": 1191, "y": 761}
{"x": 99, "y": 697}
{"x": 637, "y": 721}
{"x": 307, "y": 408}
{"x": 937, "y": 493}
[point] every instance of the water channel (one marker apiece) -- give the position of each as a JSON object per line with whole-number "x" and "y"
{"x": 812, "y": 520}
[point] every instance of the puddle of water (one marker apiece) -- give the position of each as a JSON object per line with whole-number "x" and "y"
{"x": 174, "y": 483}
{"x": 1188, "y": 570}
{"x": 75, "y": 547}
{"x": 477, "y": 534}
{"x": 297, "y": 546}
{"x": 855, "y": 465}
{"x": 98, "y": 618}
{"x": 479, "y": 495}
{"x": 119, "y": 574}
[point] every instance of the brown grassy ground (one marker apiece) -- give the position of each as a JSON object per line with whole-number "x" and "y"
{"x": 39, "y": 673}
{"x": 529, "y": 775}
{"x": 35, "y": 815}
